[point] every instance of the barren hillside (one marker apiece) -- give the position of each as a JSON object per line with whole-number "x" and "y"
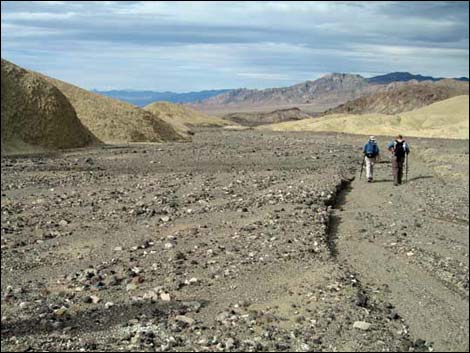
{"x": 403, "y": 98}
{"x": 36, "y": 115}
{"x": 115, "y": 121}
{"x": 261, "y": 118}
{"x": 445, "y": 119}
{"x": 180, "y": 115}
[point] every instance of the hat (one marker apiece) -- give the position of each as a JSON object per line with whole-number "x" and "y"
{"x": 372, "y": 138}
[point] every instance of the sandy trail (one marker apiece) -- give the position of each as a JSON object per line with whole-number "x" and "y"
{"x": 399, "y": 242}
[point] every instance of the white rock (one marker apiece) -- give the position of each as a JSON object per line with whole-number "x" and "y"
{"x": 95, "y": 299}
{"x": 361, "y": 325}
{"x": 131, "y": 286}
{"x": 165, "y": 297}
{"x": 185, "y": 319}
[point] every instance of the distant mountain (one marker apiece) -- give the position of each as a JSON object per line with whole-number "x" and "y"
{"x": 397, "y": 99}
{"x": 325, "y": 92}
{"x": 406, "y": 76}
{"x": 313, "y": 96}
{"x": 143, "y": 98}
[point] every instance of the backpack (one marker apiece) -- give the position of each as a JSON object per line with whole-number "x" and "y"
{"x": 371, "y": 149}
{"x": 399, "y": 149}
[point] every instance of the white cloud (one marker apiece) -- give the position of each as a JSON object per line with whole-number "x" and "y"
{"x": 36, "y": 16}
{"x": 230, "y": 44}
{"x": 264, "y": 76}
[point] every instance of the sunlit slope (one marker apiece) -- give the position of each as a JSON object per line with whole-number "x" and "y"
{"x": 36, "y": 116}
{"x": 446, "y": 119}
{"x": 114, "y": 121}
{"x": 182, "y": 115}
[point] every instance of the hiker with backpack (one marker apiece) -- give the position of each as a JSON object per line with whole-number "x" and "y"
{"x": 400, "y": 150}
{"x": 371, "y": 155}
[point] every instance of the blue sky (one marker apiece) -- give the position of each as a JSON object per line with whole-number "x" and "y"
{"x": 188, "y": 46}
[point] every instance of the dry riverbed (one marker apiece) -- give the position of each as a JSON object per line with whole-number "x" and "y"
{"x": 234, "y": 242}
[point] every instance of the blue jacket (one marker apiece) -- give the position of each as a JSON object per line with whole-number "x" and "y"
{"x": 373, "y": 148}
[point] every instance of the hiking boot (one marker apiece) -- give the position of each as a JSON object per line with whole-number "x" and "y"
{"x": 369, "y": 180}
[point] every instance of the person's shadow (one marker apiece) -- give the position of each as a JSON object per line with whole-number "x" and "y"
{"x": 101, "y": 319}
{"x": 410, "y": 179}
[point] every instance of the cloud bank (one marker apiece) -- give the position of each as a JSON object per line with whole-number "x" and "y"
{"x": 187, "y": 46}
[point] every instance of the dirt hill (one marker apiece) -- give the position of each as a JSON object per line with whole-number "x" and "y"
{"x": 184, "y": 117}
{"x": 277, "y": 116}
{"x": 114, "y": 121}
{"x": 403, "y": 98}
{"x": 444, "y": 119}
{"x": 36, "y": 116}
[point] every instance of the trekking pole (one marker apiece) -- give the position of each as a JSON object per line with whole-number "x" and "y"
{"x": 362, "y": 167}
{"x": 406, "y": 166}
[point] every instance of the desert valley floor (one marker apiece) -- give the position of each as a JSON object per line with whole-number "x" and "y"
{"x": 238, "y": 241}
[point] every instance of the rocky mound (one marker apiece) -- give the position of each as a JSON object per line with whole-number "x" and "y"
{"x": 36, "y": 115}
{"x": 403, "y": 98}
{"x": 277, "y": 116}
{"x": 183, "y": 117}
{"x": 114, "y": 121}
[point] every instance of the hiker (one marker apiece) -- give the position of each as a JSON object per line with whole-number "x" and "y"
{"x": 371, "y": 155}
{"x": 399, "y": 149}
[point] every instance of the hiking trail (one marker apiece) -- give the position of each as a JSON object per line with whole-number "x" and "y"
{"x": 410, "y": 248}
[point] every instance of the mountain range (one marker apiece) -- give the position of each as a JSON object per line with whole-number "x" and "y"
{"x": 312, "y": 96}
{"x": 350, "y": 87}
{"x": 403, "y": 98}
{"x": 406, "y": 76}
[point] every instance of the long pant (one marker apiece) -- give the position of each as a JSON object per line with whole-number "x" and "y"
{"x": 397, "y": 169}
{"x": 370, "y": 161}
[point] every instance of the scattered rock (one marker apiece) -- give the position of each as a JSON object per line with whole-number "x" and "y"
{"x": 362, "y": 325}
{"x": 165, "y": 297}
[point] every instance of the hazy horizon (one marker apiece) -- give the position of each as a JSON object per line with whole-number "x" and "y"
{"x": 233, "y": 88}
{"x": 194, "y": 46}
